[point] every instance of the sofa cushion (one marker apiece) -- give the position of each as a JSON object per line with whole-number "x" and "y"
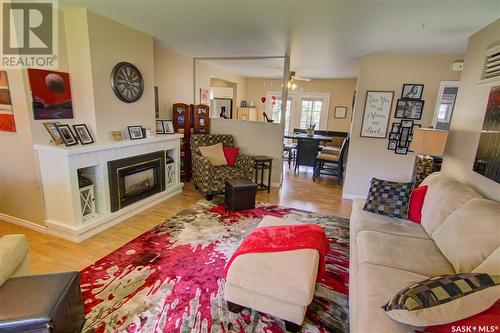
{"x": 388, "y": 198}
{"x": 363, "y": 220}
{"x": 214, "y": 154}
{"x": 490, "y": 265}
{"x": 223, "y": 173}
{"x": 470, "y": 234}
{"x": 377, "y": 284}
{"x": 13, "y": 251}
{"x": 443, "y": 299}
{"x": 417, "y": 198}
{"x": 444, "y": 196}
{"x": 417, "y": 255}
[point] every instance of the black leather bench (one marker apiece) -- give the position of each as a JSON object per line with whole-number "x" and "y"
{"x": 42, "y": 303}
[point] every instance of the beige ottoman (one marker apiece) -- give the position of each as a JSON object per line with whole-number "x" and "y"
{"x": 281, "y": 284}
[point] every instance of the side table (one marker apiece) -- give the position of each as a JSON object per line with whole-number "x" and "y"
{"x": 263, "y": 163}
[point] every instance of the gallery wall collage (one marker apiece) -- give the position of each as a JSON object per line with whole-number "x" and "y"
{"x": 377, "y": 114}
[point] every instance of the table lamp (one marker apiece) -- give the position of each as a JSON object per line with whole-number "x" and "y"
{"x": 427, "y": 142}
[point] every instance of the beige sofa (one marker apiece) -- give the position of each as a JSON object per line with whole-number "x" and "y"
{"x": 460, "y": 232}
{"x": 13, "y": 257}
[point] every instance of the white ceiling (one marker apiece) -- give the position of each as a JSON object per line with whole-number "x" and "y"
{"x": 325, "y": 39}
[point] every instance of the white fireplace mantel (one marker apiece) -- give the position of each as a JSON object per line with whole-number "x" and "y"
{"x": 59, "y": 167}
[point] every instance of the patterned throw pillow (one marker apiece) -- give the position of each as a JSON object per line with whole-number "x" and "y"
{"x": 443, "y": 299}
{"x": 388, "y": 198}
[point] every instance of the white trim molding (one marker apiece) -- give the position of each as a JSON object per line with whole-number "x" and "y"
{"x": 352, "y": 196}
{"x": 23, "y": 223}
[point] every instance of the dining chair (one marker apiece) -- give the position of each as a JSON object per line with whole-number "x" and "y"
{"x": 331, "y": 164}
{"x": 307, "y": 150}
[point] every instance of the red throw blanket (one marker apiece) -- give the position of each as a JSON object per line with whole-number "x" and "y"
{"x": 285, "y": 238}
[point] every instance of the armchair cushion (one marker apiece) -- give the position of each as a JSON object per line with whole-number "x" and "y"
{"x": 214, "y": 154}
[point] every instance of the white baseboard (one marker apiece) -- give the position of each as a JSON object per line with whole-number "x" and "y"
{"x": 352, "y": 196}
{"x": 23, "y": 223}
{"x": 98, "y": 224}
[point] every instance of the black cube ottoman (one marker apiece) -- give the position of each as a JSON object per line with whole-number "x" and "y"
{"x": 240, "y": 194}
{"x": 42, "y": 303}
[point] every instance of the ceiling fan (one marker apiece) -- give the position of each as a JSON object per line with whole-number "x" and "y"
{"x": 293, "y": 76}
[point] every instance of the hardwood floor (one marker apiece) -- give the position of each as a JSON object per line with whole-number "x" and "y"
{"x": 52, "y": 254}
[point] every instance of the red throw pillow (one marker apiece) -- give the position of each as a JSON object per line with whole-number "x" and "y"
{"x": 417, "y": 198}
{"x": 486, "y": 321}
{"x": 231, "y": 153}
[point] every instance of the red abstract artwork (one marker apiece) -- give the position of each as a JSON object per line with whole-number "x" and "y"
{"x": 7, "y": 123}
{"x": 51, "y": 94}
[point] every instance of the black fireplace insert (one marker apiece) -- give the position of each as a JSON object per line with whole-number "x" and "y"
{"x": 134, "y": 178}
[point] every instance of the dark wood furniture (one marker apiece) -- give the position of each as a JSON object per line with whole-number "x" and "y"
{"x": 307, "y": 149}
{"x": 42, "y": 303}
{"x": 330, "y": 164}
{"x": 240, "y": 194}
{"x": 182, "y": 124}
{"x": 263, "y": 163}
{"x": 201, "y": 119}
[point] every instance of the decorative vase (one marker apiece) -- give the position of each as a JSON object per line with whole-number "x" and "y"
{"x": 310, "y": 132}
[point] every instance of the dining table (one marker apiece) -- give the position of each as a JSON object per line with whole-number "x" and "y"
{"x": 299, "y": 136}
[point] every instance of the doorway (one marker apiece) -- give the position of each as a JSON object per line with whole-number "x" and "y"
{"x": 445, "y": 104}
{"x": 302, "y": 109}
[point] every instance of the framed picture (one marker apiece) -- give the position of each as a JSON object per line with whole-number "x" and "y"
{"x": 159, "y": 127}
{"x": 404, "y": 138}
{"x": 168, "y": 126}
{"x": 407, "y": 123}
{"x": 51, "y": 94}
{"x": 7, "y": 122}
{"x": 401, "y": 150}
{"x": 412, "y": 91}
{"x": 409, "y": 108}
{"x": 117, "y": 136}
{"x": 377, "y": 112}
{"x": 340, "y": 112}
{"x": 83, "y": 134}
{"x": 393, "y": 136}
{"x": 67, "y": 135}
{"x": 486, "y": 161}
{"x": 204, "y": 96}
{"x": 396, "y": 127}
{"x": 135, "y": 132}
{"x": 51, "y": 129}
{"x": 392, "y": 144}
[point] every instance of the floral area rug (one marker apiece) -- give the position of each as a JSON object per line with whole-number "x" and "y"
{"x": 171, "y": 278}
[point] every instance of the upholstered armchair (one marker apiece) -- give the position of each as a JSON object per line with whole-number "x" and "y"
{"x": 209, "y": 179}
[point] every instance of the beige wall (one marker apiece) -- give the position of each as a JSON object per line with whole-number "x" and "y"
{"x": 255, "y": 138}
{"x": 110, "y": 43}
{"x": 469, "y": 115}
{"x": 173, "y": 77}
{"x": 204, "y": 72}
{"x": 340, "y": 90}
{"x": 20, "y": 188}
{"x": 368, "y": 157}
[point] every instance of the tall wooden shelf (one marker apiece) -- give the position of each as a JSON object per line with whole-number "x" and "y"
{"x": 201, "y": 119}
{"x": 182, "y": 125}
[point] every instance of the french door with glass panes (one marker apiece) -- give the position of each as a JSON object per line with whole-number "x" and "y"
{"x": 302, "y": 109}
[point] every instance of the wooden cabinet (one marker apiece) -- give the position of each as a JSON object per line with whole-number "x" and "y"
{"x": 182, "y": 124}
{"x": 201, "y": 119}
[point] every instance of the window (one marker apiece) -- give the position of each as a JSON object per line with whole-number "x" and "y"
{"x": 310, "y": 112}
{"x": 276, "y": 111}
{"x": 444, "y": 111}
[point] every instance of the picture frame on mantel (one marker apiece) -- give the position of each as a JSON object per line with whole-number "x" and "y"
{"x": 377, "y": 113}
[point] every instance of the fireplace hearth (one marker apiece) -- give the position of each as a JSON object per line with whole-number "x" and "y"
{"x": 134, "y": 178}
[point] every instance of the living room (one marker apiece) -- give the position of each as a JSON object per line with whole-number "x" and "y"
{"x": 151, "y": 179}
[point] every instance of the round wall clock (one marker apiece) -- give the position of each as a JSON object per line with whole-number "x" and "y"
{"x": 127, "y": 82}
